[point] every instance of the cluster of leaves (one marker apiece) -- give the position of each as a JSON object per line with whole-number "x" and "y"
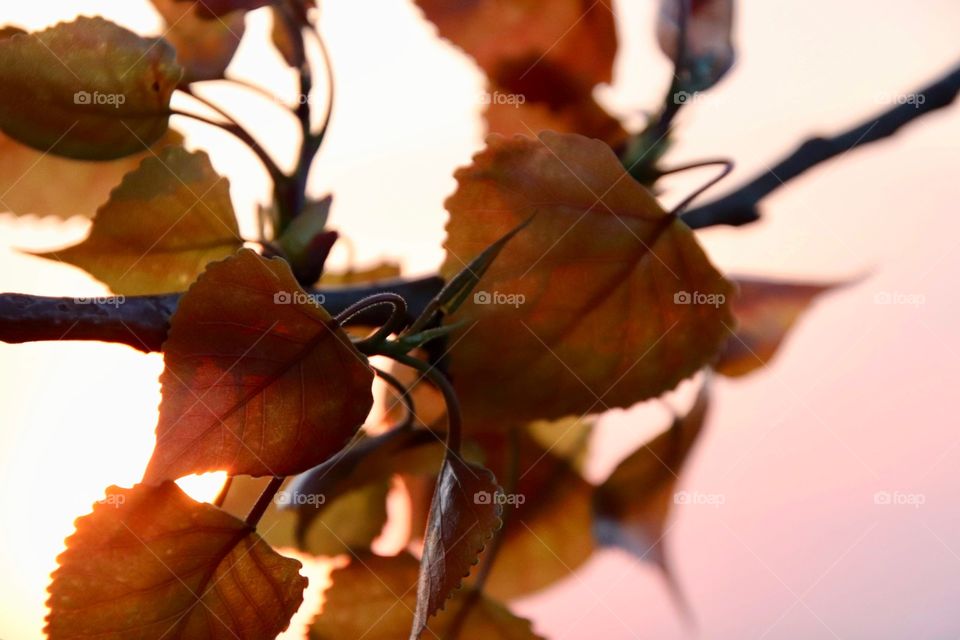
{"x": 262, "y": 382}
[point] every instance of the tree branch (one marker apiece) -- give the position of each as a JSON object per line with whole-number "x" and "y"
{"x": 142, "y": 321}
{"x": 742, "y": 205}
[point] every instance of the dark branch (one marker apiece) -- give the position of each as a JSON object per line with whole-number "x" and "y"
{"x": 142, "y": 321}
{"x": 742, "y": 205}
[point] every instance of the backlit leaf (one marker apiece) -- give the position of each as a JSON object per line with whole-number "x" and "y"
{"x": 605, "y": 300}
{"x": 32, "y": 182}
{"x": 204, "y": 47}
{"x": 259, "y": 379}
{"x": 463, "y": 517}
{"x": 373, "y": 598}
{"x": 212, "y": 9}
{"x": 161, "y": 226}
{"x": 350, "y": 521}
{"x": 766, "y": 310}
{"x": 149, "y": 562}
{"x": 94, "y": 106}
{"x": 709, "y": 43}
{"x": 582, "y": 115}
{"x": 632, "y": 506}
{"x": 522, "y": 45}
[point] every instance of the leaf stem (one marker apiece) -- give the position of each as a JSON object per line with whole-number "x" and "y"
{"x": 440, "y": 381}
{"x": 263, "y": 502}
{"x": 405, "y": 397}
{"x": 224, "y": 490}
{"x": 727, "y": 168}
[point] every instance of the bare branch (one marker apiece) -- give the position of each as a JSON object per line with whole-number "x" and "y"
{"x": 742, "y": 205}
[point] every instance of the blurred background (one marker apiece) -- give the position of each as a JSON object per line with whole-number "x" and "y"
{"x": 855, "y": 404}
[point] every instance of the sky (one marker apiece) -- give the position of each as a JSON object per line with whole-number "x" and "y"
{"x": 855, "y": 404}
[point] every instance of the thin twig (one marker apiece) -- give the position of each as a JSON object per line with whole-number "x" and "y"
{"x": 263, "y": 502}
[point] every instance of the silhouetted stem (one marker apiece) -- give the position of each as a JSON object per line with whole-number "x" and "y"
{"x": 263, "y": 502}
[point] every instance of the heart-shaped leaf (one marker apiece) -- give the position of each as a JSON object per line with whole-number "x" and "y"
{"x": 259, "y": 379}
{"x": 632, "y": 506}
{"x": 463, "y": 516}
{"x": 373, "y": 599}
{"x": 204, "y": 47}
{"x": 149, "y": 562}
{"x": 709, "y": 51}
{"x": 161, "y": 226}
{"x": 94, "y": 106}
{"x": 605, "y": 300}
{"x": 766, "y": 311}
{"x": 42, "y": 184}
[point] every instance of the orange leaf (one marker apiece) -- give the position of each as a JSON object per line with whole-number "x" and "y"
{"x": 583, "y": 116}
{"x": 149, "y": 562}
{"x": 32, "y": 182}
{"x": 259, "y": 379}
{"x": 160, "y": 227}
{"x": 373, "y": 599}
{"x": 204, "y": 47}
{"x": 766, "y": 310}
{"x": 585, "y": 309}
{"x": 522, "y": 45}
{"x": 94, "y": 106}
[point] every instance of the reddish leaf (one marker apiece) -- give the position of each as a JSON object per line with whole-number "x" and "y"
{"x": 259, "y": 380}
{"x": 149, "y": 562}
{"x": 632, "y": 506}
{"x": 161, "y": 226}
{"x": 204, "y": 47}
{"x": 766, "y": 310}
{"x": 463, "y": 517}
{"x": 95, "y": 107}
{"x": 709, "y": 43}
{"x": 522, "y": 45}
{"x": 373, "y": 599}
{"x": 585, "y": 309}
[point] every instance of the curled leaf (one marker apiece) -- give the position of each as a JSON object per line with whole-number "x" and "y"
{"x": 766, "y": 311}
{"x": 149, "y": 562}
{"x": 605, "y": 300}
{"x": 373, "y": 599}
{"x": 464, "y": 515}
{"x": 709, "y": 51}
{"x": 204, "y": 47}
{"x": 95, "y": 107}
{"x": 160, "y": 227}
{"x": 259, "y": 379}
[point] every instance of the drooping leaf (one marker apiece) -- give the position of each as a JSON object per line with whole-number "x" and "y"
{"x": 94, "y": 106}
{"x": 632, "y": 506}
{"x": 149, "y": 562}
{"x": 605, "y": 300}
{"x": 32, "y": 182}
{"x": 766, "y": 311}
{"x": 204, "y": 47}
{"x": 373, "y": 598}
{"x": 463, "y": 517}
{"x": 709, "y": 41}
{"x": 259, "y": 379}
{"x": 522, "y": 45}
{"x": 165, "y": 222}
